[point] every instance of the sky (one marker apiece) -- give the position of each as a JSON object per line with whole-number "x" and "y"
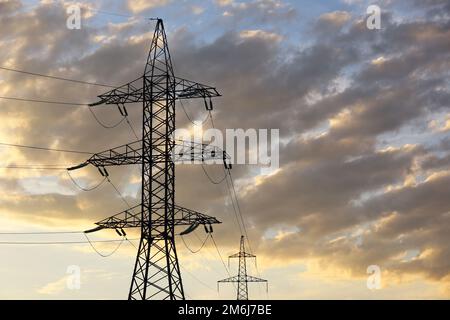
{"x": 364, "y": 154}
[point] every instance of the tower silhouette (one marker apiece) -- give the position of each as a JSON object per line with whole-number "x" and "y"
{"x": 242, "y": 279}
{"x": 156, "y": 271}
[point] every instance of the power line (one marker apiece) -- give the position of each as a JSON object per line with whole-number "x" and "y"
{"x": 190, "y": 119}
{"x": 105, "y": 125}
{"x": 55, "y": 242}
{"x": 232, "y": 203}
{"x": 218, "y": 252}
{"x": 239, "y": 211}
{"x": 55, "y": 77}
{"x": 211, "y": 179}
{"x": 41, "y": 165}
{"x": 131, "y": 127}
{"x": 83, "y": 188}
{"x": 243, "y": 222}
{"x": 44, "y": 101}
{"x": 44, "y": 148}
{"x": 33, "y": 168}
{"x": 197, "y": 279}
{"x": 119, "y": 193}
{"x": 38, "y": 232}
{"x": 115, "y": 14}
{"x": 201, "y": 246}
{"x": 102, "y": 254}
{"x": 212, "y": 120}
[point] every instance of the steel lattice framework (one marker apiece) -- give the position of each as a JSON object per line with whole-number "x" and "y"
{"x": 242, "y": 279}
{"x": 156, "y": 272}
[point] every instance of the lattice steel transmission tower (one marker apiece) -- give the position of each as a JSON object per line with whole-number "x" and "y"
{"x": 242, "y": 279}
{"x": 156, "y": 272}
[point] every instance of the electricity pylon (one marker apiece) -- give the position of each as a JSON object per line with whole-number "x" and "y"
{"x": 242, "y": 279}
{"x": 156, "y": 272}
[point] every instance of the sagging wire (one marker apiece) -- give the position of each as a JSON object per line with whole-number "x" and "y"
{"x": 105, "y": 125}
{"x": 190, "y": 119}
{"x": 211, "y": 179}
{"x": 85, "y": 189}
{"x": 102, "y": 254}
{"x": 201, "y": 247}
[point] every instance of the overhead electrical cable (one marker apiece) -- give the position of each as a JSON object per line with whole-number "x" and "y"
{"x": 100, "y": 253}
{"x": 84, "y": 188}
{"x": 41, "y": 232}
{"x": 44, "y": 101}
{"x": 201, "y": 246}
{"x": 44, "y": 148}
{"x": 54, "y": 242}
{"x": 55, "y": 77}
{"x": 106, "y": 126}
{"x": 195, "y": 123}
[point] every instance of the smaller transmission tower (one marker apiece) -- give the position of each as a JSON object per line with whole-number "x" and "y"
{"x": 242, "y": 279}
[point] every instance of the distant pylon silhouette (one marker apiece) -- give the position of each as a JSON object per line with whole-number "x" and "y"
{"x": 242, "y": 279}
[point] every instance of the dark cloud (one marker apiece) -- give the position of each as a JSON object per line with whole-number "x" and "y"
{"x": 9, "y": 6}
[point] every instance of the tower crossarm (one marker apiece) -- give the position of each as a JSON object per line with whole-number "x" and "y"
{"x": 131, "y": 218}
{"x": 133, "y": 92}
{"x": 242, "y": 255}
{"x": 123, "y": 155}
{"x": 187, "y": 89}
{"x": 230, "y": 279}
{"x": 184, "y": 216}
{"x": 184, "y": 152}
{"x": 128, "y": 93}
{"x": 254, "y": 279}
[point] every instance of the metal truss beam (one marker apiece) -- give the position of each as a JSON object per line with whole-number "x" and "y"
{"x": 131, "y": 218}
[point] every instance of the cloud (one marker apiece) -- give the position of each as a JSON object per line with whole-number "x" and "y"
{"x": 54, "y": 288}
{"x": 336, "y": 18}
{"x": 258, "y": 10}
{"x": 138, "y": 6}
{"x": 269, "y": 36}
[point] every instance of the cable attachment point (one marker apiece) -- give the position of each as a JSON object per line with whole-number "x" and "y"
{"x": 208, "y": 228}
{"x": 123, "y": 111}
{"x": 84, "y": 164}
{"x": 227, "y": 164}
{"x": 209, "y": 107}
{"x": 103, "y": 171}
{"x": 121, "y": 232}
